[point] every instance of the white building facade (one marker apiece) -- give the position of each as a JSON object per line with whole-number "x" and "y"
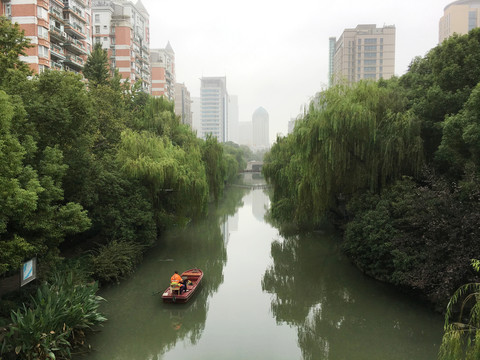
{"x": 214, "y": 108}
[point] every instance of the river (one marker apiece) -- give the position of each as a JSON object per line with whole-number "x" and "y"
{"x": 263, "y": 296}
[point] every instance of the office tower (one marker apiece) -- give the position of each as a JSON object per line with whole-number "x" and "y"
{"x": 123, "y": 29}
{"x": 331, "y": 44}
{"x": 366, "y": 52}
{"x": 245, "y": 131}
{"x": 214, "y": 107}
{"x": 260, "y": 129}
{"x": 163, "y": 72}
{"x": 233, "y": 119}
{"x": 196, "y": 120}
{"x": 459, "y": 17}
{"x": 183, "y": 104}
{"x": 59, "y": 31}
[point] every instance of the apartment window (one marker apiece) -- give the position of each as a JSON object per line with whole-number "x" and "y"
{"x": 105, "y": 38}
{"x": 97, "y": 40}
{"x": 359, "y": 41}
{"x": 97, "y": 18}
{"x": 371, "y": 47}
{"x": 472, "y": 20}
{"x": 42, "y": 13}
{"x": 8, "y": 10}
{"x": 381, "y": 47}
{"x": 370, "y": 62}
{"x": 371, "y": 41}
{"x": 359, "y": 47}
{"x": 97, "y": 29}
{"x": 370, "y": 55}
{"x": 42, "y": 32}
{"x": 381, "y": 40}
{"x": 369, "y": 69}
{"x": 359, "y": 62}
{"x": 42, "y": 51}
{"x": 369, "y": 76}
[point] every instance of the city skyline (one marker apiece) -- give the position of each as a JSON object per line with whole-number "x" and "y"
{"x": 280, "y": 60}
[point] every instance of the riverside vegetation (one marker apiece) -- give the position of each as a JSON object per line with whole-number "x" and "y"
{"x": 395, "y": 164}
{"x": 101, "y": 167}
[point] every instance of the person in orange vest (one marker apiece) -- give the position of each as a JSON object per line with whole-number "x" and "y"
{"x": 178, "y": 279}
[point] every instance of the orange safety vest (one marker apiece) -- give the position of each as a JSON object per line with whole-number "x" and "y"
{"x": 176, "y": 278}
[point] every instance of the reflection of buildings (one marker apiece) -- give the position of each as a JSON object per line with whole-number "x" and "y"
{"x": 224, "y": 230}
{"x": 459, "y": 17}
{"x": 260, "y": 204}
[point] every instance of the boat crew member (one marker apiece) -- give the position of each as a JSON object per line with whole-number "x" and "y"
{"x": 178, "y": 279}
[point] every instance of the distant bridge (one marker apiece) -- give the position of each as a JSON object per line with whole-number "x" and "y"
{"x": 253, "y": 167}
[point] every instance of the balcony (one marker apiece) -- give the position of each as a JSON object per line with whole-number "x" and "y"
{"x": 57, "y": 52}
{"x": 56, "y": 66}
{"x": 74, "y": 29}
{"x": 75, "y": 46}
{"x": 57, "y": 33}
{"x": 56, "y": 13}
{"x": 74, "y": 61}
{"x": 76, "y": 12}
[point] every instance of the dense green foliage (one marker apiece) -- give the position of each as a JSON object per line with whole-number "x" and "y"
{"x": 462, "y": 337}
{"x": 55, "y": 319}
{"x": 98, "y": 166}
{"x": 396, "y": 164}
{"x": 107, "y": 162}
{"x": 355, "y": 138}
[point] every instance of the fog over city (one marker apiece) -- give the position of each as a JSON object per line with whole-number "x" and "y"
{"x": 275, "y": 53}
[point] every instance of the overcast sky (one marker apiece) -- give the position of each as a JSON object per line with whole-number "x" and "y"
{"x": 274, "y": 53}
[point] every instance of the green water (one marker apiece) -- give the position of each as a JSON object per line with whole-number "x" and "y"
{"x": 264, "y": 296}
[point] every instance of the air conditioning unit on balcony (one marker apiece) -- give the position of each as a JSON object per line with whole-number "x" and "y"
{"x": 64, "y": 34}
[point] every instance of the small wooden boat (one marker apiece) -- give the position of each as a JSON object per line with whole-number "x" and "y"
{"x": 172, "y": 293}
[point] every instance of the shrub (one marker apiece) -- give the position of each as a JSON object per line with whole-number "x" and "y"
{"x": 115, "y": 260}
{"x": 59, "y": 313}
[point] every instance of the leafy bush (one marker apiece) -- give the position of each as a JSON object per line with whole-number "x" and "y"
{"x": 417, "y": 236}
{"x": 116, "y": 260}
{"x": 59, "y": 313}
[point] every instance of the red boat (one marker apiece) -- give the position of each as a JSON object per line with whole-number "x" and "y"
{"x": 192, "y": 277}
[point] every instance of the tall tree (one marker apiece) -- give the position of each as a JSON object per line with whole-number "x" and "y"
{"x": 12, "y": 44}
{"x": 96, "y": 69}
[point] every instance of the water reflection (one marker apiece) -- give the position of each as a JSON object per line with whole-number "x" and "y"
{"x": 139, "y": 325}
{"x": 339, "y": 313}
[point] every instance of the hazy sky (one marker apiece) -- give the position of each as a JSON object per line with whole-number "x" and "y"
{"x": 275, "y": 53}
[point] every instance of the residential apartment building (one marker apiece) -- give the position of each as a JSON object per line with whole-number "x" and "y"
{"x": 59, "y": 30}
{"x": 260, "y": 129}
{"x": 163, "y": 72}
{"x": 365, "y": 52}
{"x": 123, "y": 29}
{"x": 183, "y": 104}
{"x": 214, "y": 107}
{"x": 459, "y": 18}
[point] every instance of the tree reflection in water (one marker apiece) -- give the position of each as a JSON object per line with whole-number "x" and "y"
{"x": 140, "y": 326}
{"x": 338, "y": 312}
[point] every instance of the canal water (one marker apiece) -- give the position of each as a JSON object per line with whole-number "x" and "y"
{"x": 263, "y": 296}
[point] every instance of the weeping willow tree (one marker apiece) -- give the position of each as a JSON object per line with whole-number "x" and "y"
{"x": 175, "y": 180}
{"x": 461, "y": 339}
{"x": 353, "y": 138}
